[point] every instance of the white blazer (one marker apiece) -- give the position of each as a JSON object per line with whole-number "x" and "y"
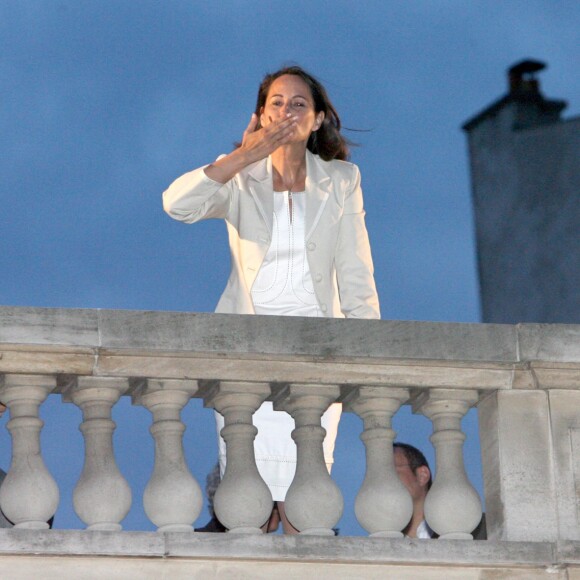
{"x": 337, "y": 242}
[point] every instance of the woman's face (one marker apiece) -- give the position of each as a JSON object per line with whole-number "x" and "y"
{"x": 290, "y": 94}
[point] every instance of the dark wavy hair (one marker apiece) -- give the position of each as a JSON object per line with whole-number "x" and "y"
{"x": 327, "y": 141}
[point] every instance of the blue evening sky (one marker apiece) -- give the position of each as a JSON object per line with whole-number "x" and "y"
{"x": 105, "y": 102}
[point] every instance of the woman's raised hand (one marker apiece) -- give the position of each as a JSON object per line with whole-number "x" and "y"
{"x": 259, "y": 144}
{"x": 255, "y": 146}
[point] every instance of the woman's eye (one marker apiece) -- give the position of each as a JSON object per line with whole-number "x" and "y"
{"x": 299, "y": 105}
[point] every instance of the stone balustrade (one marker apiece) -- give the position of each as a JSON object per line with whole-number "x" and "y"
{"x": 524, "y": 380}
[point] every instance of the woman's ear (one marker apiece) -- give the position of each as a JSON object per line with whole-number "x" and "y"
{"x": 319, "y": 118}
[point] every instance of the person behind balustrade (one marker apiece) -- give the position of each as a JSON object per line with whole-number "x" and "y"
{"x": 293, "y": 207}
{"x": 415, "y": 474}
{"x": 212, "y": 482}
{"x": 4, "y": 522}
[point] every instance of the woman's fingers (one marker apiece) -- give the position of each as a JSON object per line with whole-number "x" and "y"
{"x": 281, "y": 130}
{"x": 267, "y": 139}
{"x": 251, "y": 125}
{"x": 250, "y": 128}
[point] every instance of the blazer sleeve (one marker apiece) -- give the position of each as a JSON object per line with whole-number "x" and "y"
{"x": 194, "y": 197}
{"x": 353, "y": 260}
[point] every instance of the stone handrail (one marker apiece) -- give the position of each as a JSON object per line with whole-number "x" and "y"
{"x": 524, "y": 379}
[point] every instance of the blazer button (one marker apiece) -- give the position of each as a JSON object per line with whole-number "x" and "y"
{"x": 311, "y": 246}
{"x": 323, "y": 307}
{"x": 318, "y": 278}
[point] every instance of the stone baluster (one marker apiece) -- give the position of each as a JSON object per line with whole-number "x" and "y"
{"x": 29, "y": 495}
{"x": 452, "y": 506}
{"x": 102, "y": 496}
{"x": 383, "y": 505}
{"x": 172, "y": 497}
{"x": 314, "y": 503}
{"x": 243, "y": 502}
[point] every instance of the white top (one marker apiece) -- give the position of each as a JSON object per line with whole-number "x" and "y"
{"x": 283, "y": 286}
{"x": 424, "y": 532}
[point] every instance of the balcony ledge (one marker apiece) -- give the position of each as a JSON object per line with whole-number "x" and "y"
{"x": 279, "y": 548}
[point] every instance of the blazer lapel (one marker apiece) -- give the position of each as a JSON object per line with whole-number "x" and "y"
{"x": 262, "y": 189}
{"x": 318, "y": 190}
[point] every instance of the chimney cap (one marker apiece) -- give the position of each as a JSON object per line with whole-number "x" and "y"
{"x": 526, "y": 66}
{"x": 523, "y": 89}
{"x": 521, "y": 79}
